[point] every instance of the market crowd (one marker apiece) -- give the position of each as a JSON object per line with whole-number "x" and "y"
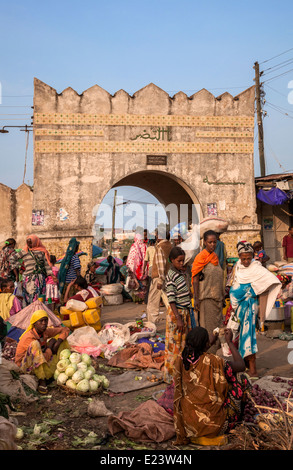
{"x": 211, "y": 306}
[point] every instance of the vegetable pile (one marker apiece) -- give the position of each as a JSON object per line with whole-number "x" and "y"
{"x": 75, "y": 371}
{"x": 264, "y": 401}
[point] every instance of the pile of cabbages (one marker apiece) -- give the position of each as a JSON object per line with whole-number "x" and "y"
{"x": 75, "y": 371}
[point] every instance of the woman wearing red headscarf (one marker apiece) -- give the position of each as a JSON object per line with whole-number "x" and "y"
{"x": 36, "y": 260}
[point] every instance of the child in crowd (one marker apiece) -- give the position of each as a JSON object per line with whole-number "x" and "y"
{"x": 260, "y": 254}
{"x": 52, "y": 291}
{"x": 178, "y": 321}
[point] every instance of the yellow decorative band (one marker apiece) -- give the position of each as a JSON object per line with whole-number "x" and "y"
{"x": 65, "y": 132}
{"x": 223, "y": 134}
{"x": 51, "y": 146}
{"x": 142, "y": 120}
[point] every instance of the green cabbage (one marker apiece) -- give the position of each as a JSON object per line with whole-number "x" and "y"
{"x": 83, "y": 386}
{"x": 70, "y": 370}
{"x": 82, "y": 366}
{"x": 63, "y": 364}
{"x": 93, "y": 385}
{"x": 88, "y": 374}
{"x": 105, "y": 383}
{"x": 78, "y": 376}
{"x": 65, "y": 354}
{"x": 56, "y": 373}
{"x": 75, "y": 358}
{"x": 62, "y": 378}
{"x": 71, "y": 384}
{"x": 92, "y": 368}
{"x": 97, "y": 378}
{"x": 86, "y": 358}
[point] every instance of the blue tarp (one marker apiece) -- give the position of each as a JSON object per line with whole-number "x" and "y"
{"x": 274, "y": 196}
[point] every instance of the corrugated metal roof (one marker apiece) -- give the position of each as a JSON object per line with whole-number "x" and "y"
{"x": 275, "y": 177}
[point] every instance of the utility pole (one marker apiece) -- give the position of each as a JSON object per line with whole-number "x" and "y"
{"x": 259, "y": 121}
{"x": 113, "y": 220}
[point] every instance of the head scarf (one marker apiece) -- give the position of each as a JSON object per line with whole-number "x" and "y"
{"x": 71, "y": 250}
{"x": 244, "y": 247}
{"x": 201, "y": 260}
{"x": 37, "y": 246}
{"x": 37, "y": 315}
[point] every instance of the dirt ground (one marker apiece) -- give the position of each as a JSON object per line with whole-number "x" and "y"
{"x": 60, "y": 421}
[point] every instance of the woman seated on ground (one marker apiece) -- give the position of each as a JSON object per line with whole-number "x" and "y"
{"x": 208, "y": 397}
{"x": 38, "y": 350}
{"x": 83, "y": 291}
{"x": 9, "y": 303}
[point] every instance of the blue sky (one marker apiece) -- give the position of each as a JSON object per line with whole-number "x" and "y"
{"x": 178, "y": 45}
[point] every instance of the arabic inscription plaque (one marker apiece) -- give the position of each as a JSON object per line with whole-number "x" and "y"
{"x": 156, "y": 159}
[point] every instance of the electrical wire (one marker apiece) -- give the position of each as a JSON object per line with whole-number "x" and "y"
{"x": 277, "y": 66}
{"x": 274, "y": 57}
{"x": 280, "y": 107}
{"x": 25, "y": 158}
{"x": 280, "y": 75}
{"x": 276, "y": 91}
{"x": 281, "y": 112}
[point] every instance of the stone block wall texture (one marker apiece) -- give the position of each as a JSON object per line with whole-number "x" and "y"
{"x": 84, "y": 144}
{"x": 16, "y": 214}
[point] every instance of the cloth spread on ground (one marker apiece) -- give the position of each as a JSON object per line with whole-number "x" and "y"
{"x": 201, "y": 260}
{"x": 147, "y": 423}
{"x": 135, "y": 356}
{"x": 132, "y": 380}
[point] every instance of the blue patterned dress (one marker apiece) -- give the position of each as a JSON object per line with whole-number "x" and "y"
{"x": 245, "y": 304}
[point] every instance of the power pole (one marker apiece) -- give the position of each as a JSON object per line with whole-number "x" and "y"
{"x": 113, "y": 220}
{"x": 259, "y": 121}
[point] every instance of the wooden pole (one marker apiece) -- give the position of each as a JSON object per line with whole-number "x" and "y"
{"x": 259, "y": 121}
{"x": 113, "y": 221}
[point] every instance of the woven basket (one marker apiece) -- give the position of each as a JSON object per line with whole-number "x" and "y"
{"x": 70, "y": 391}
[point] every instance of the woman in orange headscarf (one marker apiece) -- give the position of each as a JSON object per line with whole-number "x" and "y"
{"x": 36, "y": 260}
{"x": 208, "y": 286}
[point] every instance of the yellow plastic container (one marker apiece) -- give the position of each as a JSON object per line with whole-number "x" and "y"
{"x": 94, "y": 302}
{"x": 92, "y": 316}
{"x": 65, "y": 313}
{"x": 67, "y": 323}
{"x": 76, "y": 319}
{"x": 97, "y": 326}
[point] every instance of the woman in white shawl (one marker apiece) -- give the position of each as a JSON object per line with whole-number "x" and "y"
{"x": 254, "y": 291}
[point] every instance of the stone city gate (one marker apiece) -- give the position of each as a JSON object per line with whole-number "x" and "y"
{"x": 183, "y": 149}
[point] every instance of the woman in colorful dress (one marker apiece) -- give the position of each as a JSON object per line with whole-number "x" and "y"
{"x": 209, "y": 392}
{"x": 37, "y": 264}
{"x": 135, "y": 259}
{"x": 178, "y": 321}
{"x": 249, "y": 283}
{"x": 38, "y": 350}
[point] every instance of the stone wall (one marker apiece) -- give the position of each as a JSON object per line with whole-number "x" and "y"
{"x": 16, "y": 213}
{"x": 86, "y": 144}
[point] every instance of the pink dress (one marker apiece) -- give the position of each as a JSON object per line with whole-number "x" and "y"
{"x": 52, "y": 290}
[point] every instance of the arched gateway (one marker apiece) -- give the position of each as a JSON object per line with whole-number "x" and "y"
{"x": 184, "y": 150}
